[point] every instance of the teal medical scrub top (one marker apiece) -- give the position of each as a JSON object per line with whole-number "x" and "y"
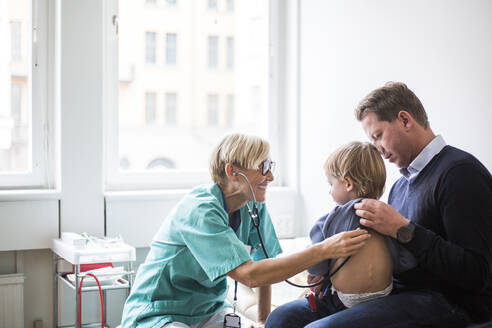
{"x": 184, "y": 275}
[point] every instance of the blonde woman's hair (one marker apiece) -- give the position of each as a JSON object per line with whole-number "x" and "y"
{"x": 242, "y": 150}
{"x": 362, "y": 163}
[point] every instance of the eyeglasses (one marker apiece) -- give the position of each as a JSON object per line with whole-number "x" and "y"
{"x": 266, "y": 166}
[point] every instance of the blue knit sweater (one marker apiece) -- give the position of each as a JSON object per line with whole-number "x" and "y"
{"x": 450, "y": 201}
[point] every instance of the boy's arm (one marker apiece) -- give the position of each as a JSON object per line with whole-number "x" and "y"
{"x": 317, "y": 234}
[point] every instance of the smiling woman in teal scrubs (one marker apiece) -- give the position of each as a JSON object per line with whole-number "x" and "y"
{"x": 207, "y": 237}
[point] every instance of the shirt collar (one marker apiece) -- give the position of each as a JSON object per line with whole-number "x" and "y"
{"x": 424, "y": 157}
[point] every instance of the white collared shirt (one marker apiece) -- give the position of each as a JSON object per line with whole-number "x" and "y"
{"x": 423, "y": 158}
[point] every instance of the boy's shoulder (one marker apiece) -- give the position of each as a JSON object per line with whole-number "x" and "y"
{"x": 342, "y": 217}
{"x": 345, "y": 208}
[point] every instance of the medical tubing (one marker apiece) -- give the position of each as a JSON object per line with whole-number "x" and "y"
{"x": 310, "y": 285}
{"x": 254, "y": 212}
{"x": 80, "y": 299}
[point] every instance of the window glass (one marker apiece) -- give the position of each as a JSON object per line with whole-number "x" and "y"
{"x": 150, "y": 47}
{"x": 230, "y": 5}
{"x": 170, "y": 116}
{"x": 150, "y": 107}
{"x": 171, "y": 110}
{"x": 15, "y": 86}
{"x": 230, "y": 52}
{"x": 230, "y": 111}
{"x": 212, "y": 4}
{"x": 213, "y": 110}
{"x": 213, "y": 55}
{"x": 171, "y": 48}
{"x": 171, "y": 3}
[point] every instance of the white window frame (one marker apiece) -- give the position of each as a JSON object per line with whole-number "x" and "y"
{"x": 42, "y": 101}
{"x": 283, "y": 113}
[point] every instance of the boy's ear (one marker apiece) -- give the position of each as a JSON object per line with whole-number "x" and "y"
{"x": 349, "y": 184}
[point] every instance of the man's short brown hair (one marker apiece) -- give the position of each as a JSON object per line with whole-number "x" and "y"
{"x": 386, "y": 102}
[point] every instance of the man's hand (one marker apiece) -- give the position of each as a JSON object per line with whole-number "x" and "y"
{"x": 380, "y": 216}
{"x": 312, "y": 279}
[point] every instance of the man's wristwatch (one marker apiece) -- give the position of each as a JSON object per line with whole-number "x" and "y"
{"x": 405, "y": 234}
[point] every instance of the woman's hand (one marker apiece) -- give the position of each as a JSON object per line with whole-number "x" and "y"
{"x": 345, "y": 243}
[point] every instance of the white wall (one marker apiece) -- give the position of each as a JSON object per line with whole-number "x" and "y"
{"x": 441, "y": 49}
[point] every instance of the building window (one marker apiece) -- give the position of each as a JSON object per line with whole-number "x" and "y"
{"x": 213, "y": 110}
{"x": 151, "y": 2}
{"x": 213, "y": 54}
{"x": 212, "y": 4}
{"x": 205, "y": 103}
{"x": 16, "y": 103}
{"x": 150, "y": 47}
{"x": 229, "y": 111}
{"x": 171, "y": 3}
{"x": 230, "y": 52}
{"x": 171, "y": 48}
{"x": 230, "y": 5}
{"x": 150, "y": 107}
{"x": 171, "y": 108}
{"x": 15, "y": 40}
{"x": 25, "y": 90}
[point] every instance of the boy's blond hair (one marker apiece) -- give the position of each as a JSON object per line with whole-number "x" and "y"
{"x": 362, "y": 163}
{"x": 243, "y": 150}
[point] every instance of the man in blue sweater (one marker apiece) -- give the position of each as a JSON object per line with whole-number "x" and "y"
{"x": 440, "y": 211}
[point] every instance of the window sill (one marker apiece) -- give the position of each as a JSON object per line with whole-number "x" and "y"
{"x": 29, "y": 194}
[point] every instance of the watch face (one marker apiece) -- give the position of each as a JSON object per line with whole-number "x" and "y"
{"x": 405, "y": 233}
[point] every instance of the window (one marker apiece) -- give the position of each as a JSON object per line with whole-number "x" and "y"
{"x": 171, "y": 108}
{"x": 171, "y": 3}
{"x": 213, "y": 110}
{"x": 15, "y": 40}
{"x": 230, "y": 52}
{"x": 179, "y": 112}
{"x": 230, "y": 5}
{"x": 24, "y": 149}
{"x": 151, "y": 2}
{"x": 213, "y": 55}
{"x": 171, "y": 48}
{"x": 16, "y": 103}
{"x": 229, "y": 111}
{"x": 150, "y": 107}
{"x": 212, "y": 4}
{"x": 150, "y": 47}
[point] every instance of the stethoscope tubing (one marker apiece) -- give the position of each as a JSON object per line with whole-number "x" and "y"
{"x": 256, "y": 223}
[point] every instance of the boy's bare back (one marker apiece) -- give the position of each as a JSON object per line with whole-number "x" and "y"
{"x": 368, "y": 271}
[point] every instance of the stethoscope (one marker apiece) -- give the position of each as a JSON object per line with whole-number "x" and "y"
{"x": 255, "y": 220}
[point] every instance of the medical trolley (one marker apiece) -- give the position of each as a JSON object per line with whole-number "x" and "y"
{"x": 78, "y": 257}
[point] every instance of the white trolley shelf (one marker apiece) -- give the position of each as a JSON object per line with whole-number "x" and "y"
{"x": 120, "y": 254}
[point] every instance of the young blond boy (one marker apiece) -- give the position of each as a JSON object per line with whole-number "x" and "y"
{"x": 356, "y": 171}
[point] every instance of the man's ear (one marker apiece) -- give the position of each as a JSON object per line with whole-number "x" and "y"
{"x": 406, "y": 119}
{"x": 349, "y": 184}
